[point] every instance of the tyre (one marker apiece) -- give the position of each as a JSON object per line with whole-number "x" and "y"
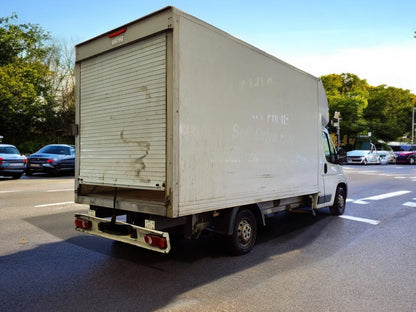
{"x": 244, "y": 233}
{"x": 338, "y": 207}
{"x": 411, "y": 161}
{"x": 17, "y": 176}
{"x": 54, "y": 172}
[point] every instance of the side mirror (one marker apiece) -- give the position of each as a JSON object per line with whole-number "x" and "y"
{"x": 342, "y": 156}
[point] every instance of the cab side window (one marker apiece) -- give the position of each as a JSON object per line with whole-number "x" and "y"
{"x": 329, "y": 149}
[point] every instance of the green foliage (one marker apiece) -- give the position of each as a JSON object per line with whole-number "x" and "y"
{"x": 31, "y": 102}
{"x": 25, "y": 41}
{"x": 389, "y": 112}
{"x": 383, "y": 111}
{"x": 347, "y": 94}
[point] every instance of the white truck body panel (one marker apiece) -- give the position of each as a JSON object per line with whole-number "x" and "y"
{"x": 175, "y": 109}
{"x": 247, "y": 122}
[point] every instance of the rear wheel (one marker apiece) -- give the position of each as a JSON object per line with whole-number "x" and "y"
{"x": 244, "y": 233}
{"x": 411, "y": 160}
{"x": 338, "y": 207}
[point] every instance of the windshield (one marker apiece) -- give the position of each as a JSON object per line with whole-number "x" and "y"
{"x": 363, "y": 146}
{"x": 8, "y": 150}
{"x": 401, "y": 148}
{"x": 382, "y": 146}
{"x": 58, "y": 150}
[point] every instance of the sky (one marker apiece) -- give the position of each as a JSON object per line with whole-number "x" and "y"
{"x": 373, "y": 39}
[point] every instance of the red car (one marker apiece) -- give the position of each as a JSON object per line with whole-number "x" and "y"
{"x": 405, "y": 153}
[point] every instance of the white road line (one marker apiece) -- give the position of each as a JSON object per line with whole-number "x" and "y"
{"x": 61, "y": 190}
{"x": 4, "y": 192}
{"x": 369, "y": 221}
{"x": 54, "y": 204}
{"x": 410, "y": 204}
{"x": 387, "y": 195}
{"x": 364, "y": 201}
{"x": 360, "y": 202}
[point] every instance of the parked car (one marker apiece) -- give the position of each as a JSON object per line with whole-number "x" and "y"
{"x": 364, "y": 155}
{"x": 386, "y": 153}
{"x": 405, "y": 153}
{"x": 52, "y": 159}
{"x": 12, "y": 163}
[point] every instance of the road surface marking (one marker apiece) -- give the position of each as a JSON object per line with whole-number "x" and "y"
{"x": 360, "y": 202}
{"x": 55, "y": 204}
{"x": 1, "y": 192}
{"x": 61, "y": 190}
{"x": 364, "y": 201}
{"x": 410, "y": 204}
{"x": 387, "y": 195}
{"x": 369, "y": 221}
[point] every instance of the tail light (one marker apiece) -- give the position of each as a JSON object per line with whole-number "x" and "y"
{"x": 156, "y": 241}
{"x": 49, "y": 161}
{"x": 25, "y": 160}
{"x": 83, "y": 224}
{"x": 1, "y": 161}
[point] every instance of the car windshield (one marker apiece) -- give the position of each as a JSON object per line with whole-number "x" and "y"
{"x": 382, "y": 147}
{"x": 363, "y": 146}
{"x": 58, "y": 150}
{"x": 401, "y": 148}
{"x": 8, "y": 150}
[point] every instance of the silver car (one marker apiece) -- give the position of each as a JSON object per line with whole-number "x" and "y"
{"x": 12, "y": 163}
{"x": 387, "y": 155}
{"x": 368, "y": 154}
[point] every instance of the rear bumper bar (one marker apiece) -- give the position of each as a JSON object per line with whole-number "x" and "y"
{"x": 123, "y": 232}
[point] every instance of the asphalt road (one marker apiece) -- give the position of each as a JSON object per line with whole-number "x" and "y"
{"x": 364, "y": 261}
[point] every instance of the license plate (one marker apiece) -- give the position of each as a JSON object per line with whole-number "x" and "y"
{"x": 15, "y": 165}
{"x": 34, "y": 165}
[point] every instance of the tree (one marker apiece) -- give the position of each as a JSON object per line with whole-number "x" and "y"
{"x": 26, "y": 42}
{"x": 23, "y": 78}
{"x": 21, "y": 87}
{"x": 36, "y": 86}
{"x": 347, "y": 94}
{"x": 61, "y": 63}
{"x": 389, "y": 112}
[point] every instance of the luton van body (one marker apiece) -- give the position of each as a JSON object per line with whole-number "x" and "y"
{"x": 181, "y": 127}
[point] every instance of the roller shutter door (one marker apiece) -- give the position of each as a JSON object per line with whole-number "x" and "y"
{"x": 123, "y": 116}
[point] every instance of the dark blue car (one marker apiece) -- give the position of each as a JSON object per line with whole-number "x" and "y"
{"x": 53, "y": 159}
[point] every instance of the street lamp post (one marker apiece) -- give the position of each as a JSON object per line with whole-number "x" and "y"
{"x": 337, "y": 116}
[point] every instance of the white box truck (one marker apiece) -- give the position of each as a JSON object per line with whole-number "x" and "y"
{"x": 181, "y": 127}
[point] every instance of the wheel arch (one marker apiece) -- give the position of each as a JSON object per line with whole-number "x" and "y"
{"x": 232, "y": 213}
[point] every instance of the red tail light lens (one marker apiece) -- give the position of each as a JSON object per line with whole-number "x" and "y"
{"x": 25, "y": 160}
{"x": 1, "y": 161}
{"x": 156, "y": 241}
{"x": 83, "y": 224}
{"x": 49, "y": 161}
